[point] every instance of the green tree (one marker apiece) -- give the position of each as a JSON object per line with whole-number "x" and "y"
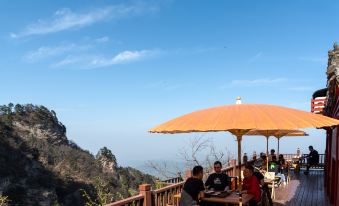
{"x": 10, "y": 107}
{"x": 103, "y": 194}
{"x": 19, "y": 109}
{"x": 105, "y": 152}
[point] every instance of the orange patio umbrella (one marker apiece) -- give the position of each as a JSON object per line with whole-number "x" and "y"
{"x": 239, "y": 119}
{"x": 275, "y": 133}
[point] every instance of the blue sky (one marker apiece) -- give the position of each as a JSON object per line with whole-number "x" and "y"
{"x": 114, "y": 69}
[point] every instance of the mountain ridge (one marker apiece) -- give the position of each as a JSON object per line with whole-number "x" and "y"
{"x": 40, "y": 166}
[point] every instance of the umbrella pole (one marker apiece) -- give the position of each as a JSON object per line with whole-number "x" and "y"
{"x": 278, "y": 146}
{"x": 267, "y": 153}
{"x": 239, "y": 137}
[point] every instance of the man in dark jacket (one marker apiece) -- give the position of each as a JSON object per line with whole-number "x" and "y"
{"x": 217, "y": 181}
{"x": 312, "y": 159}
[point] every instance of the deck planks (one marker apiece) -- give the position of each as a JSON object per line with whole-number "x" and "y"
{"x": 303, "y": 189}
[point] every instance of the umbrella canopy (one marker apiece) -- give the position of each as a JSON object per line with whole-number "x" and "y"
{"x": 275, "y": 133}
{"x": 241, "y": 118}
{"x": 245, "y": 117}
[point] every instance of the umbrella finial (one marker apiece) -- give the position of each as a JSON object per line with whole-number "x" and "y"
{"x": 238, "y": 100}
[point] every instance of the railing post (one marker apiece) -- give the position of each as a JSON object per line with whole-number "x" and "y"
{"x": 188, "y": 174}
{"x": 234, "y": 165}
{"x": 145, "y": 190}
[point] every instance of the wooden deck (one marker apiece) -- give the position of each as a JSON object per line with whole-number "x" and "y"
{"x": 303, "y": 190}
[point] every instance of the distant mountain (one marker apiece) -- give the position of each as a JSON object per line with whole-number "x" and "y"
{"x": 40, "y": 166}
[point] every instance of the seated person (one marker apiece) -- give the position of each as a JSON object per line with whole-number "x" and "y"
{"x": 264, "y": 186}
{"x": 193, "y": 189}
{"x": 282, "y": 164}
{"x": 271, "y": 155}
{"x": 251, "y": 185}
{"x": 312, "y": 159}
{"x": 261, "y": 162}
{"x": 273, "y": 166}
{"x": 218, "y": 181}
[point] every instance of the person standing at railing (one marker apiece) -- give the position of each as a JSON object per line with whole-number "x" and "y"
{"x": 193, "y": 189}
{"x": 312, "y": 159}
{"x": 218, "y": 181}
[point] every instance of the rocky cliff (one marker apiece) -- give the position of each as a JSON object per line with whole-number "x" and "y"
{"x": 40, "y": 166}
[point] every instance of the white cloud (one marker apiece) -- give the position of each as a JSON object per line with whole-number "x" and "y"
{"x": 256, "y": 82}
{"x": 44, "y": 52}
{"x": 122, "y": 57}
{"x": 67, "y": 61}
{"x": 95, "y": 61}
{"x": 65, "y": 19}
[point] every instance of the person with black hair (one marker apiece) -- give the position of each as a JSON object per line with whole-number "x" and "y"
{"x": 251, "y": 185}
{"x": 261, "y": 162}
{"x": 272, "y": 155}
{"x": 218, "y": 181}
{"x": 193, "y": 189}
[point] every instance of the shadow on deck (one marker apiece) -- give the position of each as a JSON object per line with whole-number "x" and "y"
{"x": 303, "y": 190}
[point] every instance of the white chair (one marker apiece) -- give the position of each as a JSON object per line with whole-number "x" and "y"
{"x": 270, "y": 176}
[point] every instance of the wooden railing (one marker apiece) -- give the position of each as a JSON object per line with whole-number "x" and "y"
{"x": 137, "y": 200}
{"x": 166, "y": 195}
{"x": 174, "y": 180}
{"x": 321, "y": 159}
{"x": 303, "y": 159}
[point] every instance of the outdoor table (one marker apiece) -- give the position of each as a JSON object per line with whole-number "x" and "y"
{"x": 233, "y": 198}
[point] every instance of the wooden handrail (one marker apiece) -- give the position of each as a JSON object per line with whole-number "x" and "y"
{"x": 175, "y": 185}
{"x": 165, "y": 195}
{"x": 127, "y": 200}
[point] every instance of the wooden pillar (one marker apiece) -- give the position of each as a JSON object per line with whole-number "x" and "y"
{"x": 145, "y": 190}
{"x": 234, "y": 165}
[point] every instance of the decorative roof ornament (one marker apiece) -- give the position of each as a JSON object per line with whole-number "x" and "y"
{"x": 238, "y": 100}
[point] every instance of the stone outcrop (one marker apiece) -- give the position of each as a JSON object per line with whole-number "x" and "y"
{"x": 332, "y": 77}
